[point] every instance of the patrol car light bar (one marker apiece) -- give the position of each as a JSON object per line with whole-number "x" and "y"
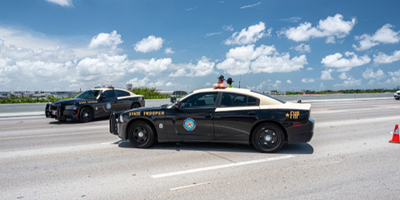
{"x": 106, "y": 86}
{"x": 219, "y": 86}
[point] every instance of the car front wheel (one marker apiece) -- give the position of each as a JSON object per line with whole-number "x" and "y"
{"x": 268, "y": 138}
{"x": 86, "y": 114}
{"x": 141, "y": 134}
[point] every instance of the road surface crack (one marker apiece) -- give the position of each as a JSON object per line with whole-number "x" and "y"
{"x": 221, "y": 157}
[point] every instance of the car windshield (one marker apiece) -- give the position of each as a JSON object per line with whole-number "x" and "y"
{"x": 179, "y": 99}
{"x": 89, "y": 94}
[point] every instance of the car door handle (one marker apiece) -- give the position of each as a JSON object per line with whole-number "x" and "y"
{"x": 251, "y": 113}
{"x": 208, "y": 115}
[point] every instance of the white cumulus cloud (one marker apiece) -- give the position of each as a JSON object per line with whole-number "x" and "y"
{"x": 278, "y": 63}
{"x": 308, "y": 80}
{"x": 248, "y": 36}
{"x": 326, "y": 74}
{"x": 382, "y": 35}
{"x": 246, "y": 59}
{"x": 204, "y": 67}
{"x": 383, "y": 58}
{"x": 330, "y": 27}
{"x": 345, "y": 64}
{"x": 151, "y": 67}
{"x": 111, "y": 40}
{"x": 370, "y": 74}
{"x": 149, "y": 44}
{"x": 349, "y": 83}
{"x": 147, "y": 82}
{"x": 169, "y": 50}
{"x": 234, "y": 66}
{"x": 303, "y": 48}
{"x": 343, "y": 75}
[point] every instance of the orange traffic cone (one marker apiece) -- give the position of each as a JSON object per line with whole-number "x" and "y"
{"x": 395, "y": 138}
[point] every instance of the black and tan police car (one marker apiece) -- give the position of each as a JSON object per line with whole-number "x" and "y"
{"x": 94, "y": 103}
{"x": 218, "y": 115}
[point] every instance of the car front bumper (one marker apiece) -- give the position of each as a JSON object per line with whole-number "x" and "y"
{"x": 117, "y": 128}
{"x": 58, "y": 112}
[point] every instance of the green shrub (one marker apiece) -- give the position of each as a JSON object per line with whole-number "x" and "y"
{"x": 22, "y": 99}
{"x": 148, "y": 93}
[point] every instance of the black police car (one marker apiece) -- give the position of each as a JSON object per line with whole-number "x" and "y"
{"x": 218, "y": 115}
{"x": 94, "y": 103}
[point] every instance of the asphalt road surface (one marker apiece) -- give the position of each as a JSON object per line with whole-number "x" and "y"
{"x": 349, "y": 157}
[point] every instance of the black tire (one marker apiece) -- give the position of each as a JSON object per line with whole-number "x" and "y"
{"x": 268, "y": 138}
{"x": 86, "y": 114}
{"x": 396, "y": 98}
{"x": 141, "y": 134}
{"x": 135, "y": 105}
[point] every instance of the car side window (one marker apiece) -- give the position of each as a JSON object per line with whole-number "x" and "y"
{"x": 199, "y": 100}
{"x": 121, "y": 93}
{"x": 109, "y": 93}
{"x": 251, "y": 101}
{"x": 236, "y": 100}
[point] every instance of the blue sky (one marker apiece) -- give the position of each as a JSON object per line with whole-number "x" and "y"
{"x": 185, "y": 45}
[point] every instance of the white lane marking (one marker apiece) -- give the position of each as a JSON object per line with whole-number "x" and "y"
{"x": 348, "y": 110}
{"x": 13, "y": 118}
{"x": 220, "y": 166}
{"x": 188, "y": 186}
{"x": 93, "y": 127}
{"x": 356, "y": 99}
{"x": 356, "y": 121}
{"x": 16, "y": 114}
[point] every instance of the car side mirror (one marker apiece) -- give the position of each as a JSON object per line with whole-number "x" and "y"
{"x": 173, "y": 99}
{"x": 103, "y": 96}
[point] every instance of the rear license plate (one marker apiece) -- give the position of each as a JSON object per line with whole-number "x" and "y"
{"x": 54, "y": 112}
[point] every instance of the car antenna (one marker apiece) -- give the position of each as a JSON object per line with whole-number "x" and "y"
{"x": 240, "y": 79}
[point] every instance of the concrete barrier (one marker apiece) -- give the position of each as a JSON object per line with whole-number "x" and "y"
{"x": 26, "y": 109}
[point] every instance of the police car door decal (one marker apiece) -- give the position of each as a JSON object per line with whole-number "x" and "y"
{"x": 189, "y": 124}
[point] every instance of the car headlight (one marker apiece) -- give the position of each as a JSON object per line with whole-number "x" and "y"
{"x": 71, "y": 107}
{"x": 121, "y": 119}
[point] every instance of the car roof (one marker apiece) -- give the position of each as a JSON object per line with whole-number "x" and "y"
{"x": 264, "y": 99}
{"x": 112, "y": 88}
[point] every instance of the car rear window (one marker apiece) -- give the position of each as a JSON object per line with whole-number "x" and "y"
{"x": 269, "y": 96}
{"x": 236, "y": 100}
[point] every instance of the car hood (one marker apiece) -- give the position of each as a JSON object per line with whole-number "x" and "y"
{"x": 69, "y": 101}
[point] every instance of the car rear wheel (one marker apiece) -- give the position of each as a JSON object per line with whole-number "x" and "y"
{"x": 135, "y": 105}
{"x": 268, "y": 138}
{"x": 86, "y": 114}
{"x": 141, "y": 134}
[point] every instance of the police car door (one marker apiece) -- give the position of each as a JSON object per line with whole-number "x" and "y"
{"x": 194, "y": 121}
{"x": 235, "y": 117}
{"x": 109, "y": 103}
{"x": 124, "y": 100}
